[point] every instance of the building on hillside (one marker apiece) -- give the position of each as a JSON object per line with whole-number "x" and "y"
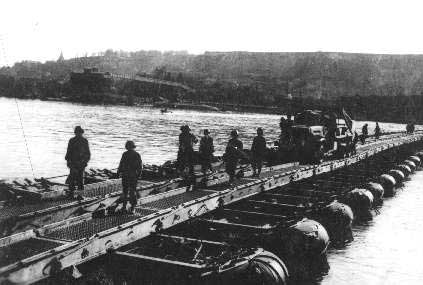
{"x": 91, "y": 79}
{"x": 61, "y": 58}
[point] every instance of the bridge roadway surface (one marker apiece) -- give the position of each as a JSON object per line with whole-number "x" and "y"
{"x": 8, "y": 212}
{"x": 93, "y": 226}
{"x": 90, "y": 195}
{"x": 33, "y": 244}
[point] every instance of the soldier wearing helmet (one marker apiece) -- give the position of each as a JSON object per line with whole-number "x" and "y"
{"x": 77, "y": 156}
{"x": 130, "y": 168}
{"x": 206, "y": 150}
{"x": 258, "y": 151}
{"x": 186, "y": 150}
{"x": 232, "y": 154}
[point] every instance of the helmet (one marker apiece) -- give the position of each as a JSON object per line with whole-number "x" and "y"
{"x": 259, "y": 131}
{"x": 185, "y": 128}
{"x": 78, "y": 130}
{"x": 130, "y": 145}
{"x": 234, "y": 133}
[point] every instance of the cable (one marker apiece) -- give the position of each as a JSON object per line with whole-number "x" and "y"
{"x": 26, "y": 143}
{"x": 3, "y": 49}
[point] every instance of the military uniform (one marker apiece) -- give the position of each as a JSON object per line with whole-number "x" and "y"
{"x": 364, "y": 133}
{"x": 186, "y": 151}
{"x": 258, "y": 151}
{"x": 232, "y": 154}
{"x": 77, "y": 156}
{"x": 206, "y": 153}
{"x": 130, "y": 168}
{"x": 377, "y": 131}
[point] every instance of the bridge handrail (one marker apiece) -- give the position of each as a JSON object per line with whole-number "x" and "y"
{"x": 151, "y": 80}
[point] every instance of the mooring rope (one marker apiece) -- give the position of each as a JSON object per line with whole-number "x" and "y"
{"x": 26, "y": 143}
{"x": 3, "y": 49}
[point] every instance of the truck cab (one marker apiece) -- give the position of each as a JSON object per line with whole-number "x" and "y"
{"x": 343, "y": 140}
{"x": 315, "y": 135}
{"x": 308, "y": 142}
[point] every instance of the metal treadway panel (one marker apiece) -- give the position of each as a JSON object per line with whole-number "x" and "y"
{"x": 143, "y": 212}
{"x": 99, "y": 192}
{"x": 114, "y": 187}
{"x": 280, "y": 171}
{"x": 13, "y": 211}
{"x": 237, "y": 182}
{"x": 176, "y": 200}
{"x": 24, "y": 249}
{"x": 89, "y": 228}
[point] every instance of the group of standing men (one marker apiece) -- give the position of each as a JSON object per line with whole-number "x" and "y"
{"x": 130, "y": 167}
{"x": 233, "y": 153}
{"x": 410, "y": 128}
{"x": 365, "y": 132}
{"x": 286, "y": 129}
{"x": 78, "y": 154}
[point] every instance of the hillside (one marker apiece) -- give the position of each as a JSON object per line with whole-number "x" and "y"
{"x": 317, "y": 74}
{"x": 253, "y": 78}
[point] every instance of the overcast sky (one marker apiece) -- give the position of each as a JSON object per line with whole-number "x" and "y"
{"x": 39, "y": 30}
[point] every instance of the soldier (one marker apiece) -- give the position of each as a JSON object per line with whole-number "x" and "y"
{"x": 186, "y": 151}
{"x": 289, "y": 124}
{"x": 364, "y": 133}
{"x": 283, "y": 126}
{"x": 206, "y": 153}
{"x": 354, "y": 143}
{"x": 289, "y": 121}
{"x": 130, "y": 168}
{"x": 77, "y": 156}
{"x": 377, "y": 131}
{"x": 232, "y": 154}
{"x": 258, "y": 151}
{"x": 331, "y": 134}
{"x": 410, "y": 128}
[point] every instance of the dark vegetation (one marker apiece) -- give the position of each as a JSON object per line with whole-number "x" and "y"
{"x": 284, "y": 81}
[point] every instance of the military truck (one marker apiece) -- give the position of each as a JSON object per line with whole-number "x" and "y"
{"x": 313, "y": 136}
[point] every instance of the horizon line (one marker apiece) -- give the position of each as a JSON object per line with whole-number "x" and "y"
{"x": 96, "y": 54}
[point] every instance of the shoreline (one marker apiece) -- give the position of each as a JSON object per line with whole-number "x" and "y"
{"x": 200, "y": 106}
{"x": 208, "y": 106}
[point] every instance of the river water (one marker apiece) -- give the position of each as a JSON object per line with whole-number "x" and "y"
{"x": 385, "y": 251}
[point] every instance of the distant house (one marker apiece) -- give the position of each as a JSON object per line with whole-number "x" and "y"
{"x": 61, "y": 58}
{"x": 91, "y": 79}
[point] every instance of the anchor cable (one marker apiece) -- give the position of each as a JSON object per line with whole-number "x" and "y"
{"x": 24, "y": 136}
{"x": 3, "y": 49}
